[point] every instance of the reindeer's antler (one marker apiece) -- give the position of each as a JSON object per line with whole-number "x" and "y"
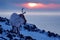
{"x": 23, "y": 12}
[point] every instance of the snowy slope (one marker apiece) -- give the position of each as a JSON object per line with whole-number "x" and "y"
{"x": 27, "y": 32}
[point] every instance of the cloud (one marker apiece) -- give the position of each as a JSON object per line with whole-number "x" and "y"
{"x": 40, "y": 5}
{"x": 17, "y": 4}
{"x": 46, "y": 1}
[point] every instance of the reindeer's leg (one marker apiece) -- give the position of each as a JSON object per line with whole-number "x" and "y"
{"x": 18, "y": 30}
{"x": 14, "y": 29}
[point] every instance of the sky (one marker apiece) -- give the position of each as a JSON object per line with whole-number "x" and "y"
{"x": 30, "y": 6}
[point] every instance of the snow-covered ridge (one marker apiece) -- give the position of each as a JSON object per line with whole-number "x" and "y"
{"x": 27, "y": 32}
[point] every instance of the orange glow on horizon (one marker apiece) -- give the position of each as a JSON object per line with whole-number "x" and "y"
{"x": 39, "y": 5}
{"x": 32, "y": 4}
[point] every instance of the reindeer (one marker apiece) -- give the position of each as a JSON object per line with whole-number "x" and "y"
{"x": 17, "y": 20}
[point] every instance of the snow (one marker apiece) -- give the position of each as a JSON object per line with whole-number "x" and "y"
{"x": 35, "y": 35}
{"x": 5, "y": 27}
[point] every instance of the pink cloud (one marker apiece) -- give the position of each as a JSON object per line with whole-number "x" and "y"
{"x": 40, "y": 5}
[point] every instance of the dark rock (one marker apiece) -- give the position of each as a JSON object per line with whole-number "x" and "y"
{"x": 57, "y": 35}
{"x": 3, "y": 38}
{"x": 2, "y": 19}
{"x": 1, "y": 30}
{"x": 30, "y": 28}
{"x": 0, "y": 25}
{"x": 34, "y": 27}
{"x": 21, "y": 36}
{"x": 27, "y": 27}
{"x": 28, "y": 38}
{"x": 15, "y": 39}
{"x": 7, "y": 22}
{"x": 51, "y": 34}
{"x": 14, "y": 35}
{"x": 12, "y": 31}
{"x": 10, "y": 36}
{"x": 43, "y": 31}
{"x": 54, "y": 35}
{"x": 37, "y": 30}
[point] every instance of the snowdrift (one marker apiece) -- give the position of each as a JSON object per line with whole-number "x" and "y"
{"x": 27, "y": 32}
